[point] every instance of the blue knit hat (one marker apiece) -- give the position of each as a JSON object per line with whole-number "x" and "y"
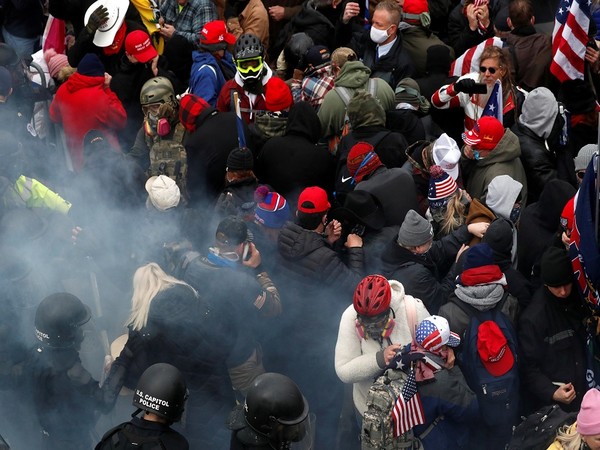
{"x": 478, "y": 256}
{"x": 91, "y": 66}
{"x": 272, "y": 209}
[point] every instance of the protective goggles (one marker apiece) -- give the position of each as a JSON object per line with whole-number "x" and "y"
{"x": 249, "y": 65}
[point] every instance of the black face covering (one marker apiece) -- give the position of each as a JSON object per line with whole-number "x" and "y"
{"x": 254, "y": 86}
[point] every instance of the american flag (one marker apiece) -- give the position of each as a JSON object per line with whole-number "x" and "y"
{"x": 583, "y": 248}
{"x": 469, "y": 61}
{"x": 569, "y": 39}
{"x": 493, "y": 107}
{"x": 408, "y": 410}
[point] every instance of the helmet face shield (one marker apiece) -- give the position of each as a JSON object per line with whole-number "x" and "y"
{"x": 249, "y": 68}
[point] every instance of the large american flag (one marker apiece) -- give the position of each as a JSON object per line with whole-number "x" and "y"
{"x": 408, "y": 410}
{"x": 469, "y": 61}
{"x": 569, "y": 39}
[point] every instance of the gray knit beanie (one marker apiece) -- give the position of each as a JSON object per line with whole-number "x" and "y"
{"x": 415, "y": 230}
{"x": 584, "y": 156}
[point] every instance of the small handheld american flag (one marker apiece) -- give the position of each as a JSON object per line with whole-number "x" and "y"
{"x": 408, "y": 410}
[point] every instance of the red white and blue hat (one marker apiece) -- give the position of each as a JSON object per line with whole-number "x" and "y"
{"x": 434, "y": 332}
{"x": 441, "y": 187}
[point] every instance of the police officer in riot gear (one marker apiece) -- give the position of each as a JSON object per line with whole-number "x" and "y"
{"x": 66, "y": 397}
{"x": 161, "y": 393}
{"x": 274, "y": 416}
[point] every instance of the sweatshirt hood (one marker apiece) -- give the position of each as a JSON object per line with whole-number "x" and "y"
{"x": 502, "y": 194}
{"x": 304, "y": 121}
{"x": 552, "y": 200}
{"x": 353, "y": 75}
{"x": 539, "y": 112}
{"x": 77, "y": 82}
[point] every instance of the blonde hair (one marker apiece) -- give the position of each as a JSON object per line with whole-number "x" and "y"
{"x": 148, "y": 281}
{"x": 569, "y": 438}
{"x": 454, "y": 215}
{"x": 491, "y": 51}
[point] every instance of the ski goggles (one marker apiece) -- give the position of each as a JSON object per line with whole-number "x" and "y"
{"x": 249, "y": 65}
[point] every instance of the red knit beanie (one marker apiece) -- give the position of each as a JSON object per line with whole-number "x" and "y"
{"x": 362, "y": 161}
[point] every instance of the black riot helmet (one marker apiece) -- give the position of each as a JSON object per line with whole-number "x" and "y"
{"x": 276, "y": 408}
{"x": 58, "y": 320}
{"x": 161, "y": 390}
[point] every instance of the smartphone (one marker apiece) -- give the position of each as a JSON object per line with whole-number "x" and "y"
{"x": 479, "y": 88}
{"x": 246, "y": 252}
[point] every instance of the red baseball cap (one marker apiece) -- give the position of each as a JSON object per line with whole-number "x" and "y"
{"x": 485, "y": 135}
{"x": 215, "y": 32}
{"x": 137, "y": 44}
{"x": 493, "y": 349}
{"x": 567, "y": 215}
{"x": 313, "y": 200}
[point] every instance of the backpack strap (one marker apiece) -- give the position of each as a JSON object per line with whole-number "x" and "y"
{"x": 431, "y": 426}
{"x": 410, "y": 306}
{"x": 372, "y": 87}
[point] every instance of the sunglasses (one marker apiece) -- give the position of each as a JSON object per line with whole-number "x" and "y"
{"x": 491, "y": 70}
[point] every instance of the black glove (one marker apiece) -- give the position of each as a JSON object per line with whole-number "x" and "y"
{"x": 97, "y": 18}
{"x": 465, "y": 85}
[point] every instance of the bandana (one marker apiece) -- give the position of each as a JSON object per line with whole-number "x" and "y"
{"x": 115, "y": 47}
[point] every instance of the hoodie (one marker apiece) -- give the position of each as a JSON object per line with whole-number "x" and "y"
{"x": 82, "y": 104}
{"x": 539, "y": 222}
{"x": 291, "y": 162}
{"x": 206, "y": 77}
{"x": 502, "y": 195}
{"x": 539, "y": 112}
{"x": 353, "y": 75}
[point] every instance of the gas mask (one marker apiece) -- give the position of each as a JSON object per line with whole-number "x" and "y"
{"x": 157, "y": 117}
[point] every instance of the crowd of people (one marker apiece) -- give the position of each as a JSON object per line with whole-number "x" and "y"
{"x": 237, "y": 215}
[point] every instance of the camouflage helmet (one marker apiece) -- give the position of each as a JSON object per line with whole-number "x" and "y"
{"x": 157, "y": 90}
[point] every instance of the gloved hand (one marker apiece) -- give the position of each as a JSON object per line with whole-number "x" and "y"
{"x": 408, "y": 358}
{"x": 465, "y": 85}
{"x": 97, "y": 18}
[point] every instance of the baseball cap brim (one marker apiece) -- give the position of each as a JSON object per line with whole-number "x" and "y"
{"x": 503, "y": 365}
{"x": 146, "y": 55}
{"x": 453, "y": 340}
{"x": 471, "y": 138}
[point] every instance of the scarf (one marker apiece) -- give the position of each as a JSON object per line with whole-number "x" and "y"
{"x": 482, "y": 297}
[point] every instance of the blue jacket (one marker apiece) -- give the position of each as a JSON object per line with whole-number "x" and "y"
{"x": 206, "y": 77}
{"x": 450, "y": 397}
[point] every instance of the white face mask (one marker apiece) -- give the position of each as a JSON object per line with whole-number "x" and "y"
{"x": 378, "y": 36}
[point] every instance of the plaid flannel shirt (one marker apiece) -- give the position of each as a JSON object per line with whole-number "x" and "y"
{"x": 316, "y": 85}
{"x": 189, "y": 22}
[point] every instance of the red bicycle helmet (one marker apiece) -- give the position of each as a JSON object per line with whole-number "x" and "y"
{"x": 372, "y": 296}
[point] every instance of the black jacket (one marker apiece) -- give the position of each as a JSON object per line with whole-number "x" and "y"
{"x": 538, "y": 224}
{"x": 207, "y": 149}
{"x": 542, "y": 163}
{"x": 139, "y": 428}
{"x": 552, "y": 342}
{"x": 429, "y": 278}
{"x": 294, "y": 161}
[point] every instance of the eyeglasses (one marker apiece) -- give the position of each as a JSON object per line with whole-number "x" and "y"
{"x": 491, "y": 70}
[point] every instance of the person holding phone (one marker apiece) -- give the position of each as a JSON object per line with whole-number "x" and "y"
{"x": 472, "y": 91}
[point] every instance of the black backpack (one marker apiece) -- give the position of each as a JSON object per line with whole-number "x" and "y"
{"x": 123, "y": 437}
{"x": 539, "y": 429}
